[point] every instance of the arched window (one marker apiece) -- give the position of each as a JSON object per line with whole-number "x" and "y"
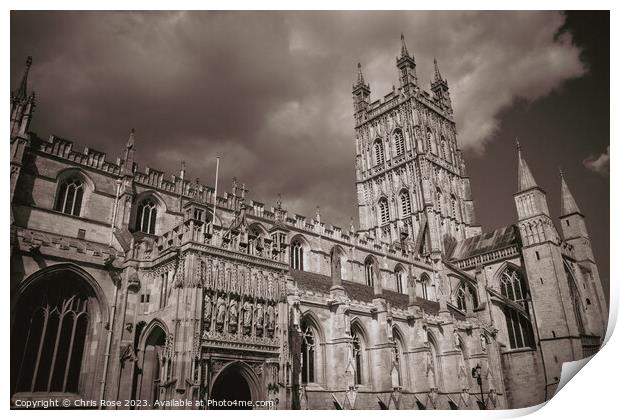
{"x": 433, "y": 370}
{"x": 337, "y": 256}
{"x": 297, "y": 255}
{"x": 256, "y": 239}
{"x": 519, "y": 329}
{"x": 474, "y": 295}
{"x": 424, "y": 282}
{"x": 369, "y": 269}
{"x": 48, "y": 339}
{"x": 574, "y": 294}
{"x": 146, "y": 217}
{"x": 399, "y": 142}
{"x": 379, "y": 155}
{"x": 405, "y": 203}
{"x": 446, "y": 148}
{"x": 512, "y": 285}
{"x": 398, "y": 354}
{"x": 401, "y": 279}
{"x": 69, "y": 196}
{"x": 358, "y": 355}
{"x": 308, "y": 354}
{"x": 384, "y": 211}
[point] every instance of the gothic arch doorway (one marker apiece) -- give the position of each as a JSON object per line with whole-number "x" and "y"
{"x": 235, "y": 382}
{"x": 153, "y": 367}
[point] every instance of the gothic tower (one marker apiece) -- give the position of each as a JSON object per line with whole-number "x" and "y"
{"x": 22, "y": 108}
{"x": 555, "y": 317}
{"x": 22, "y": 105}
{"x": 575, "y": 232}
{"x": 410, "y": 175}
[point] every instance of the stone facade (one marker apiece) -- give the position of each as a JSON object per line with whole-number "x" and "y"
{"x": 129, "y": 284}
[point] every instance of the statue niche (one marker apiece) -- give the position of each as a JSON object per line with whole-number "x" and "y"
{"x": 221, "y": 313}
{"x": 259, "y": 318}
{"x": 233, "y": 316}
{"x": 207, "y": 311}
{"x": 247, "y": 317}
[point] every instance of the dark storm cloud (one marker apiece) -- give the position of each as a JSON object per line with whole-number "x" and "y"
{"x": 270, "y": 92}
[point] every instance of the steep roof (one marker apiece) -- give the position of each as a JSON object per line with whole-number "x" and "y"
{"x": 526, "y": 179}
{"x": 484, "y": 243}
{"x": 568, "y": 203}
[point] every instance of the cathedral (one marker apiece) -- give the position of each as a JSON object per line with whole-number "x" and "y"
{"x": 136, "y": 289}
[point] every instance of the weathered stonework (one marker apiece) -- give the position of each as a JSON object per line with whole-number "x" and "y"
{"x": 178, "y": 302}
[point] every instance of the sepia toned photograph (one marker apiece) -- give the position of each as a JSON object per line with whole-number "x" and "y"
{"x": 306, "y": 210}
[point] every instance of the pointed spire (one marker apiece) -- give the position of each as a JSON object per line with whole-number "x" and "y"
{"x": 360, "y": 75}
{"x": 182, "y": 170}
{"x": 526, "y": 180}
{"x": 279, "y": 202}
{"x": 437, "y": 73}
{"x": 568, "y": 203}
{"x": 129, "y": 152}
{"x": 22, "y": 92}
{"x": 132, "y": 139}
{"x": 403, "y": 49}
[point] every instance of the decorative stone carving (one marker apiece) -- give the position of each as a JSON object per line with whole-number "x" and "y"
{"x": 259, "y": 315}
{"x": 207, "y": 311}
{"x": 247, "y": 317}
{"x": 221, "y": 313}
{"x": 233, "y": 316}
{"x": 483, "y": 343}
{"x": 271, "y": 321}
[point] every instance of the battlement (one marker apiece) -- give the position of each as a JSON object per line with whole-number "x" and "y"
{"x": 92, "y": 158}
{"x": 205, "y": 195}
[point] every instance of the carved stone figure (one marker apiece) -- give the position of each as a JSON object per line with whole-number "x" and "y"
{"x": 233, "y": 315}
{"x": 483, "y": 342}
{"x": 259, "y": 316}
{"x": 207, "y": 309}
{"x": 271, "y": 318}
{"x": 457, "y": 340}
{"x": 247, "y": 316}
{"x": 221, "y": 312}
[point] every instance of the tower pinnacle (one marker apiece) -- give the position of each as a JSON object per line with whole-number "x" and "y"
{"x": 437, "y": 73}
{"x": 403, "y": 49}
{"x": 526, "y": 180}
{"x": 360, "y": 75}
{"x": 568, "y": 203}
{"x": 132, "y": 138}
{"x": 22, "y": 92}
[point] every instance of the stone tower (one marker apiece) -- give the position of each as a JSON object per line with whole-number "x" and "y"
{"x": 410, "y": 175}
{"x": 22, "y": 108}
{"x": 575, "y": 233}
{"x": 555, "y": 318}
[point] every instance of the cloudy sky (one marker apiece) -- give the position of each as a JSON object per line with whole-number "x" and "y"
{"x": 270, "y": 93}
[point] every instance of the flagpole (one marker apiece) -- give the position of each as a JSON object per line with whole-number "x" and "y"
{"x": 217, "y": 172}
